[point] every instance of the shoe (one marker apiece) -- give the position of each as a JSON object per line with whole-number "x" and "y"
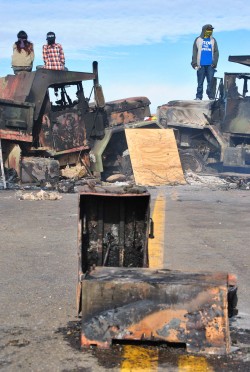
{"x": 197, "y": 99}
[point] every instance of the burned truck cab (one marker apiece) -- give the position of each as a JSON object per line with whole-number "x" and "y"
{"x": 27, "y": 107}
{"x": 45, "y": 114}
{"x": 236, "y": 87}
{"x": 236, "y": 122}
{"x": 63, "y": 119}
{"x": 214, "y": 133}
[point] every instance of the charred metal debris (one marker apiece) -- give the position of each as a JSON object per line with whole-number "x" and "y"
{"x": 120, "y": 298}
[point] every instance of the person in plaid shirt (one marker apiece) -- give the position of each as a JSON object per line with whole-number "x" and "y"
{"x": 53, "y": 55}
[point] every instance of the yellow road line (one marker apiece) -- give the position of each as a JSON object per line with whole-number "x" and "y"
{"x": 190, "y": 363}
{"x": 156, "y": 245}
{"x": 138, "y": 358}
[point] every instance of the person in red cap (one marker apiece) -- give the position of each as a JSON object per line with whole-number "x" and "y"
{"x": 23, "y": 54}
{"x": 53, "y": 55}
{"x": 204, "y": 60}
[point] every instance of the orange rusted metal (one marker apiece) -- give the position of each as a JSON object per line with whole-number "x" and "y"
{"x": 156, "y": 305}
{"x": 120, "y": 298}
{"x": 15, "y": 135}
{"x": 129, "y": 110}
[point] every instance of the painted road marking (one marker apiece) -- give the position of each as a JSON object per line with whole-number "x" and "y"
{"x": 138, "y": 358}
{"x": 190, "y": 363}
{"x": 156, "y": 245}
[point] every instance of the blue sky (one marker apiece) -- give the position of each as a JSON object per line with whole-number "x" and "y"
{"x": 143, "y": 47}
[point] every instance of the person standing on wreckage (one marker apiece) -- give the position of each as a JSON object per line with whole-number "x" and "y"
{"x": 204, "y": 60}
{"x": 53, "y": 55}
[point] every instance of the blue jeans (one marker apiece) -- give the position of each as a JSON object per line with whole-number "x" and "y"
{"x": 208, "y": 73}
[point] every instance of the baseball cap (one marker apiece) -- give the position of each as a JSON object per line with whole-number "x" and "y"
{"x": 210, "y": 27}
{"x": 50, "y": 35}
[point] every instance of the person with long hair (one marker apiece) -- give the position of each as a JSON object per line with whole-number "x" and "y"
{"x": 23, "y": 54}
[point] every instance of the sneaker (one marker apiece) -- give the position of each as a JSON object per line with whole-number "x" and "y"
{"x": 197, "y": 99}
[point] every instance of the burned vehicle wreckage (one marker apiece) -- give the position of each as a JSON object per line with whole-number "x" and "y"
{"x": 120, "y": 295}
{"x": 214, "y": 134}
{"x": 47, "y": 123}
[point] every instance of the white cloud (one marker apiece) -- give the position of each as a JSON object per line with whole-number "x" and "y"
{"x": 85, "y": 25}
{"x": 90, "y": 28}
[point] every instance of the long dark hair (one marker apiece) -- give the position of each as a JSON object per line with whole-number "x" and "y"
{"x": 23, "y": 43}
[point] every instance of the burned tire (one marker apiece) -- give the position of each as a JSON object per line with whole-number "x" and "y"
{"x": 191, "y": 160}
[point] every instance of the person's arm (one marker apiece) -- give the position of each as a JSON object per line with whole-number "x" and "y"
{"x": 32, "y": 53}
{"x": 45, "y": 58}
{"x": 216, "y": 54}
{"x": 194, "y": 54}
{"x": 62, "y": 58}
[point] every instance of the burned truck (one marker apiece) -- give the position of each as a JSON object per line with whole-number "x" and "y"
{"x": 214, "y": 134}
{"x": 47, "y": 123}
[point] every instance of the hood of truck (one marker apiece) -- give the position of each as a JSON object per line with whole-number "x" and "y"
{"x": 243, "y": 60}
{"x": 190, "y": 113}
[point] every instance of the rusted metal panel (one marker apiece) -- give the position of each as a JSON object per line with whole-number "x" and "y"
{"x": 16, "y": 116}
{"x": 156, "y": 305}
{"x": 237, "y": 113}
{"x": 237, "y": 116}
{"x": 127, "y": 110}
{"x": 15, "y": 135}
{"x": 185, "y": 113}
{"x": 112, "y": 223}
{"x": 121, "y": 299}
{"x": 16, "y": 87}
{"x": 113, "y": 228}
{"x": 244, "y": 60}
{"x": 67, "y": 130}
{"x": 35, "y": 169}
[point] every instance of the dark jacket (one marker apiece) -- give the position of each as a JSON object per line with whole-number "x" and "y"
{"x": 197, "y": 49}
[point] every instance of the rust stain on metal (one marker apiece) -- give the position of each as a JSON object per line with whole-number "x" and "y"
{"x": 122, "y": 118}
{"x": 8, "y": 87}
{"x": 68, "y": 131}
{"x": 127, "y": 111}
{"x": 85, "y": 342}
{"x": 214, "y": 330}
{"x": 158, "y": 305}
{"x": 15, "y": 135}
{"x": 153, "y": 323}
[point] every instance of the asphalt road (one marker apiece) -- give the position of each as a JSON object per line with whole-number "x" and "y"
{"x": 206, "y": 229}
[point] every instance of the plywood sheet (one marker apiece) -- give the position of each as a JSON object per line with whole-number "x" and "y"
{"x": 154, "y": 157}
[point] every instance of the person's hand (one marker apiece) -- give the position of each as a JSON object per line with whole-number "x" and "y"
{"x": 196, "y": 68}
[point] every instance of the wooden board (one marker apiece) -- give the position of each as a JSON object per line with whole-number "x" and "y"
{"x": 154, "y": 157}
